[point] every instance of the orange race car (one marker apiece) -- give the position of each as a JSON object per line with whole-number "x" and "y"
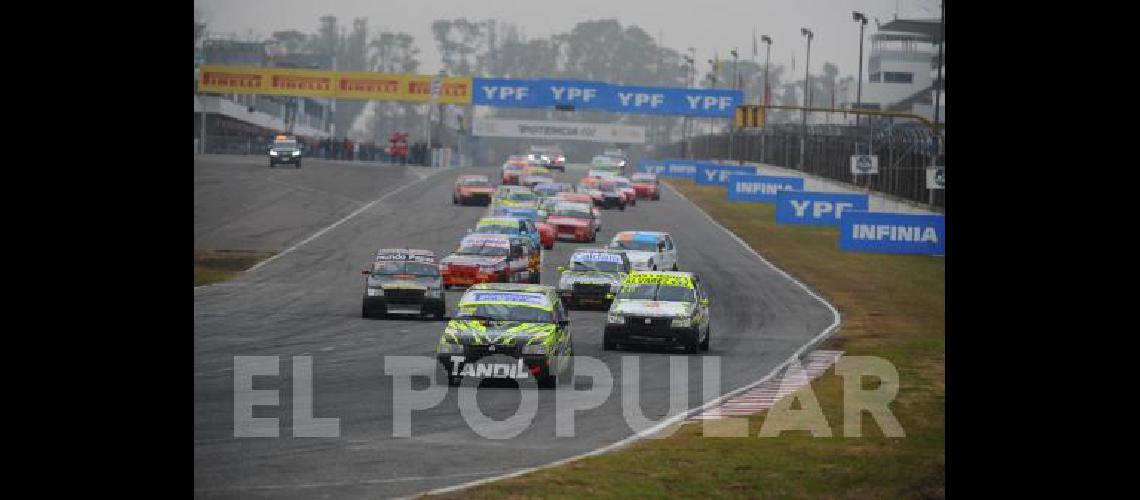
{"x": 474, "y": 188}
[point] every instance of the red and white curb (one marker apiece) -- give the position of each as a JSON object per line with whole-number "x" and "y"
{"x": 763, "y": 396}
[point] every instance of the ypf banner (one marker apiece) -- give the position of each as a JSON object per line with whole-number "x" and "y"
{"x": 816, "y": 208}
{"x": 717, "y": 174}
{"x": 552, "y": 130}
{"x": 893, "y": 233}
{"x": 761, "y": 188}
{"x": 606, "y": 97}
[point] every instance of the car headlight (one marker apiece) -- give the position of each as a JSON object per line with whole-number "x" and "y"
{"x": 272, "y": 153}
{"x": 534, "y": 349}
{"x": 433, "y": 293}
{"x": 449, "y": 348}
{"x": 375, "y": 292}
{"x": 296, "y": 153}
{"x": 682, "y": 322}
{"x": 615, "y": 319}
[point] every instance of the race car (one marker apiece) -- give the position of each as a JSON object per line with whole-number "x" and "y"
{"x": 535, "y": 175}
{"x": 545, "y": 232}
{"x": 609, "y": 163}
{"x": 474, "y": 188}
{"x": 513, "y": 168}
{"x": 483, "y": 258}
{"x": 607, "y": 195}
{"x": 660, "y": 309}
{"x": 573, "y": 220}
{"x": 592, "y": 277}
{"x": 648, "y": 250}
{"x": 626, "y": 188}
{"x": 513, "y": 226}
{"x": 508, "y": 331}
{"x": 556, "y": 159}
{"x": 403, "y": 281}
{"x": 548, "y": 189}
{"x": 284, "y": 150}
{"x": 645, "y": 184}
{"x": 582, "y": 198}
{"x": 514, "y": 197}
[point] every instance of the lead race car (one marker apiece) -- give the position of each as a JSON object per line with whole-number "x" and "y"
{"x": 403, "y": 281}
{"x": 659, "y": 308}
{"x": 593, "y": 277}
{"x": 525, "y": 326}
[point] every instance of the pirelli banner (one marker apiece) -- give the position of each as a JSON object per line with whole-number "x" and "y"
{"x": 332, "y": 84}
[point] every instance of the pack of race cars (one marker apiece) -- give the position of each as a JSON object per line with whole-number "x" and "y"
{"x": 507, "y": 324}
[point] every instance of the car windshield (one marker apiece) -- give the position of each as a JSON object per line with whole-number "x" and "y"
{"x": 621, "y": 183}
{"x": 639, "y": 245}
{"x": 520, "y": 196}
{"x": 577, "y": 263}
{"x": 494, "y": 228}
{"x": 663, "y": 293}
{"x": 482, "y": 248}
{"x": 644, "y": 178}
{"x": 414, "y": 268}
{"x": 506, "y": 312}
{"x": 474, "y": 182}
{"x": 573, "y": 211}
{"x": 607, "y": 187}
{"x": 285, "y": 145}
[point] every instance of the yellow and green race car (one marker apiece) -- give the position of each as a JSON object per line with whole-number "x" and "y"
{"x": 659, "y": 308}
{"x": 508, "y": 331}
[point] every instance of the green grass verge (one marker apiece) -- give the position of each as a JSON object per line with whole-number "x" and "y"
{"x": 893, "y": 307}
{"x": 212, "y": 266}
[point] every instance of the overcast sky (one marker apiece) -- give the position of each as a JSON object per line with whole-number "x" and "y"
{"x": 710, "y": 26}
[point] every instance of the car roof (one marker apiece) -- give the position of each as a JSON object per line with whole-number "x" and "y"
{"x": 598, "y": 250}
{"x": 407, "y": 251}
{"x": 489, "y": 218}
{"x": 662, "y": 273}
{"x": 489, "y": 236}
{"x": 641, "y": 234}
{"x": 473, "y": 176}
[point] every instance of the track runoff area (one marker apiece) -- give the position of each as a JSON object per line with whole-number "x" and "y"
{"x": 317, "y": 387}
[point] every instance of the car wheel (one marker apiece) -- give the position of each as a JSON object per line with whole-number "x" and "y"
{"x": 705, "y": 342}
{"x": 364, "y": 312}
{"x": 454, "y": 381}
{"x": 446, "y": 287}
{"x": 607, "y": 345}
{"x": 298, "y": 164}
{"x": 656, "y": 197}
{"x": 537, "y": 277}
{"x": 454, "y": 201}
{"x": 692, "y": 347}
{"x": 271, "y": 165}
{"x": 674, "y": 266}
{"x": 549, "y": 247}
{"x": 548, "y": 382}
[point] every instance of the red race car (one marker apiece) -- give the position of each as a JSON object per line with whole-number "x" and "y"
{"x": 626, "y": 187}
{"x": 513, "y": 169}
{"x": 474, "y": 188}
{"x": 645, "y": 184}
{"x": 575, "y": 221}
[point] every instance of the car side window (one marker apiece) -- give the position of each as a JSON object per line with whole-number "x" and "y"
{"x": 668, "y": 243}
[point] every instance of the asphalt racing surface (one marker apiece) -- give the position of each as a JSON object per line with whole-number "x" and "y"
{"x": 307, "y": 303}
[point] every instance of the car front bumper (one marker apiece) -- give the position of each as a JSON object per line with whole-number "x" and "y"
{"x": 659, "y": 332}
{"x": 382, "y": 305}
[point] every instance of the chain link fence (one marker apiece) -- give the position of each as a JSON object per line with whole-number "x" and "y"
{"x": 905, "y": 152}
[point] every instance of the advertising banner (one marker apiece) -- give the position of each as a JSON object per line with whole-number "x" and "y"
{"x": 815, "y": 208}
{"x": 761, "y": 188}
{"x": 558, "y": 131}
{"x": 716, "y": 174}
{"x": 893, "y": 233}
{"x": 332, "y": 84}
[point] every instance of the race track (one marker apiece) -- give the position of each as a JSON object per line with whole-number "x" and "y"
{"x": 307, "y": 303}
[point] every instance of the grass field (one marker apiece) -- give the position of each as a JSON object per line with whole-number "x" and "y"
{"x": 893, "y": 307}
{"x": 212, "y": 266}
